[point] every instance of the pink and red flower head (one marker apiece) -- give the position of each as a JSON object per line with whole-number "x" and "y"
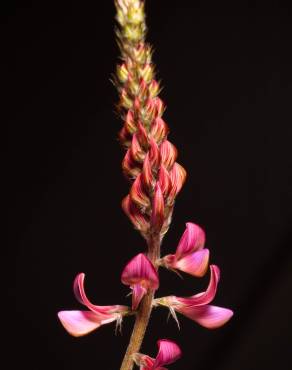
{"x": 168, "y": 352}
{"x": 197, "y": 307}
{"x": 141, "y": 276}
{"x": 79, "y": 323}
{"x": 190, "y": 255}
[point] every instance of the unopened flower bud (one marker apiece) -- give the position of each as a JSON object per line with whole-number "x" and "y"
{"x": 168, "y": 154}
{"x": 153, "y": 89}
{"x": 157, "y": 215}
{"x": 122, "y": 73}
{"x": 138, "y": 219}
{"x": 138, "y": 194}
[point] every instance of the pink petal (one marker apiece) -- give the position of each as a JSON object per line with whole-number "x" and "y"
{"x": 195, "y": 264}
{"x": 80, "y": 295}
{"x": 79, "y": 323}
{"x": 138, "y": 293}
{"x": 210, "y": 317}
{"x": 145, "y": 362}
{"x": 140, "y": 270}
{"x": 193, "y": 239}
{"x": 168, "y": 353}
{"x": 205, "y": 297}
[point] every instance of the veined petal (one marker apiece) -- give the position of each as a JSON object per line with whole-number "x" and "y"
{"x": 140, "y": 270}
{"x": 193, "y": 239}
{"x": 210, "y": 317}
{"x": 145, "y": 362}
{"x": 168, "y": 353}
{"x": 138, "y": 293}
{"x": 206, "y": 297}
{"x": 195, "y": 264}
{"x": 79, "y": 323}
{"x": 80, "y": 295}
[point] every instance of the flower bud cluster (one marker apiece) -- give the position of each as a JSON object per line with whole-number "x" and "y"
{"x": 150, "y": 159}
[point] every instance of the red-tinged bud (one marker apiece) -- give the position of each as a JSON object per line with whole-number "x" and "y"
{"x": 126, "y": 101}
{"x": 157, "y": 215}
{"x": 154, "y": 155}
{"x": 147, "y": 175}
{"x": 122, "y": 73}
{"x": 130, "y": 167}
{"x": 150, "y": 109}
{"x": 141, "y": 276}
{"x": 138, "y": 219}
{"x": 159, "y": 129}
{"x": 137, "y": 104}
{"x": 154, "y": 89}
{"x": 138, "y": 194}
{"x": 125, "y": 137}
{"x": 168, "y": 154}
{"x": 153, "y": 108}
{"x": 132, "y": 86}
{"x": 146, "y": 72}
{"x": 130, "y": 122}
{"x": 164, "y": 181}
{"x": 129, "y": 64}
{"x": 142, "y": 135}
{"x": 160, "y": 107}
{"x": 177, "y": 177}
{"x": 136, "y": 151}
{"x": 143, "y": 89}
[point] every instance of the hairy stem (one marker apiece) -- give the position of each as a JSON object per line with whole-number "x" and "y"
{"x": 144, "y": 311}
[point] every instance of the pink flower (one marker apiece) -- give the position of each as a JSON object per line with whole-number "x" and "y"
{"x": 168, "y": 352}
{"x": 197, "y": 307}
{"x": 190, "y": 256}
{"x": 141, "y": 276}
{"x": 79, "y": 323}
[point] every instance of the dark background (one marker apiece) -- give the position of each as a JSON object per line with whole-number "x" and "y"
{"x": 227, "y": 75}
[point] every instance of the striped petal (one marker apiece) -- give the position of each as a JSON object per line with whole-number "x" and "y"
{"x": 79, "y": 323}
{"x": 210, "y": 317}
{"x": 168, "y": 353}
{"x": 195, "y": 264}
{"x": 193, "y": 239}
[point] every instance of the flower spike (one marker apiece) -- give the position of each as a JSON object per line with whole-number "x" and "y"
{"x": 79, "y": 323}
{"x": 141, "y": 276}
{"x": 197, "y": 307}
{"x": 150, "y": 164}
{"x": 168, "y": 352}
{"x": 190, "y": 256}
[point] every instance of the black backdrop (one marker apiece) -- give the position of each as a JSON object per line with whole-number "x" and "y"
{"x": 227, "y": 80}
